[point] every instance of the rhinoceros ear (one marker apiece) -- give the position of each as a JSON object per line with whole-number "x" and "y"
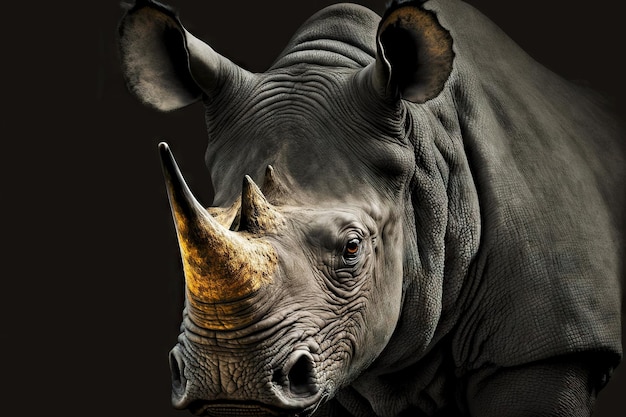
{"x": 414, "y": 53}
{"x": 163, "y": 64}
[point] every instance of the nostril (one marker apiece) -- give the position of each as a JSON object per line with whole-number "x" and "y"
{"x": 177, "y": 367}
{"x": 301, "y": 374}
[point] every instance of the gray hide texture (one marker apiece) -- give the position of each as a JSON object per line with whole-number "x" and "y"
{"x": 512, "y": 210}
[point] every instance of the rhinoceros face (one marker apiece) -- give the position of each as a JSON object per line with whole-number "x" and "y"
{"x": 293, "y": 288}
{"x": 284, "y": 303}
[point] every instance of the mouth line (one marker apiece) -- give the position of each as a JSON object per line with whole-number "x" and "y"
{"x": 241, "y": 408}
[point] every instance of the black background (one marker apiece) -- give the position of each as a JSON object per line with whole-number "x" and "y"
{"x": 91, "y": 285}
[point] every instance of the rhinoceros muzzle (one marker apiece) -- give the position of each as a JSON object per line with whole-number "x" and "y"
{"x": 292, "y": 388}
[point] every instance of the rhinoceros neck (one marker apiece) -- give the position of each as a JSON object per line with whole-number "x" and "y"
{"x": 342, "y": 35}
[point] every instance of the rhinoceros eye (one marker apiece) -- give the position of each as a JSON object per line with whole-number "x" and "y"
{"x": 352, "y": 249}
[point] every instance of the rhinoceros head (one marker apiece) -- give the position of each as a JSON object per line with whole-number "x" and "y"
{"x": 293, "y": 286}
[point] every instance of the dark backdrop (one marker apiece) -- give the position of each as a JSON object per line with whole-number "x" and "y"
{"x": 91, "y": 285}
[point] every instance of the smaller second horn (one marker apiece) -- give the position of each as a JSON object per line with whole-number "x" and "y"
{"x": 257, "y": 214}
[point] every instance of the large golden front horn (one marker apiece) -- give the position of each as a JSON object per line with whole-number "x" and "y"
{"x": 220, "y": 265}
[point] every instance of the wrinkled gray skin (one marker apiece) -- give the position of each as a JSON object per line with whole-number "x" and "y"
{"x": 489, "y": 215}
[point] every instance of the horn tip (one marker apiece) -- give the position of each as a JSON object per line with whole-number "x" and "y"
{"x": 249, "y": 184}
{"x": 164, "y": 149}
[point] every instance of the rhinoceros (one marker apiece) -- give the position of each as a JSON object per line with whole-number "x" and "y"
{"x": 411, "y": 217}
